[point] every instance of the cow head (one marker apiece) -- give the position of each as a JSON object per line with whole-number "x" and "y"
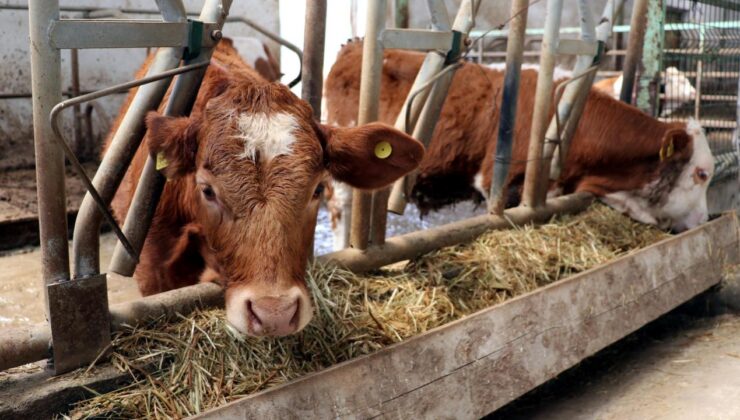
{"x": 250, "y": 164}
{"x": 677, "y": 197}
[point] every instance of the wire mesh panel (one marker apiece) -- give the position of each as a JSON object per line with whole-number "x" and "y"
{"x": 701, "y": 69}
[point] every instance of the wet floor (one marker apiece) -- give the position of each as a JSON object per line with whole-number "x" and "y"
{"x": 20, "y": 271}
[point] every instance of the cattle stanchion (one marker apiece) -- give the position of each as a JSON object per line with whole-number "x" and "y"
{"x": 77, "y": 309}
{"x": 648, "y": 86}
{"x": 507, "y": 116}
{"x": 151, "y": 183}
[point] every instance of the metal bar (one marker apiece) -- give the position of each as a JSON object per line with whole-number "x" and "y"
{"x": 577, "y": 47}
{"x": 151, "y": 184}
{"x": 76, "y": 111}
{"x": 54, "y": 117}
{"x": 533, "y": 177}
{"x": 280, "y": 40}
{"x": 86, "y": 33}
{"x": 411, "y": 245}
{"x": 416, "y": 39}
{"x": 507, "y": 115}
{"x": 122, "y": 148}
{"x": 648, "y": 87}
{"x": 131, "y": 11}
{"x": 46, "y": 85}
{"x": 372, "y": 67}
{"x": 634, "y": 49}
{"x": 313, "y": 60}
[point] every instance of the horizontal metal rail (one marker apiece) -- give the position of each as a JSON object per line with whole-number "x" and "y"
{"x": 119, "y": 33}
{"x": 59, "y": 138}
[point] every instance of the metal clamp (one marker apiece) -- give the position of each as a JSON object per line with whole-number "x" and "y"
{"x": 195, "y": 39}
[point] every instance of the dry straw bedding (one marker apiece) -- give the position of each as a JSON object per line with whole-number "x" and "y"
{"x": 200, "y": 362}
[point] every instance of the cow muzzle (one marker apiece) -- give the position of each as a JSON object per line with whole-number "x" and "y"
{"x": 262, "y": 314}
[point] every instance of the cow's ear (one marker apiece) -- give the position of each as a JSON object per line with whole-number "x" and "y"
{"x": 674, "y": 141}
{"x": 370, "y": 156}
{"x": 173, "y": 142}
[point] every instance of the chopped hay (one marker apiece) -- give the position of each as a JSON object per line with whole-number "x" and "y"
{"x": 184, "y": 368}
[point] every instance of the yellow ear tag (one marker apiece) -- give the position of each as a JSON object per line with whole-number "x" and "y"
{"x": 161, "y": 162}
{"x": 666, "y": 151}
{"x": 383, "y": 150}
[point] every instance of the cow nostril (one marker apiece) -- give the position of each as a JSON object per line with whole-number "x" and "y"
{"x": 252, "y": 315}
{"x": 296, "y": 315}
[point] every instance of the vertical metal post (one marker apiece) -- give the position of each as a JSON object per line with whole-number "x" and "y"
{"x": 533, "y": 176}
{"x": 314, "y": 39}
{"x": 372, "y": 67}
{"x": 464, "y": 21}
{"x": 151, "y": 182}
{"x": 699, "y": 75}
{"x": 79, "y": 143}
{"x": 46, "y": 85}
{"x": 634, "y": 49}
{"x": 507, "y": 116}
{"x": 648, "y": 87}
{"x": 313, "y": 54}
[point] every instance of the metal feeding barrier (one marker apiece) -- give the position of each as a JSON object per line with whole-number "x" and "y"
{"x": 77, "y": 306}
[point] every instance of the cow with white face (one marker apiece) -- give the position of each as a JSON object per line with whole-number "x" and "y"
{"x": 655, "y": 172}
{"x": 244, "y": 173}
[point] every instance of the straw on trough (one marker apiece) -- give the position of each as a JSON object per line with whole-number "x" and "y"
{"x": 200, "y": 362}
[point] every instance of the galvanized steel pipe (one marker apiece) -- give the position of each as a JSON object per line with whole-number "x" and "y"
{"x": 507, "y": 115}
{"x": 533, "y": 176}
{"x": 372, "y": 68}
{"x": 638, "y": 24}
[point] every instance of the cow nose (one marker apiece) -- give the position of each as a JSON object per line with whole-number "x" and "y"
{"x": 273, "y": 316}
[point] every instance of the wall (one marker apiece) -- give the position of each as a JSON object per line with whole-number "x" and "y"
{"x": 98, "y": 68}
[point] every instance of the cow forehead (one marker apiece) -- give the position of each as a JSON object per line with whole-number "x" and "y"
{"x": 266, "y": 135}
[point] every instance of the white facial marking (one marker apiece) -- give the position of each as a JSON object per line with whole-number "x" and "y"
{"x": 270, "y": 135}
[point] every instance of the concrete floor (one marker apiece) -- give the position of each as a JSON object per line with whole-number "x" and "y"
{"x": 686, "y": 365}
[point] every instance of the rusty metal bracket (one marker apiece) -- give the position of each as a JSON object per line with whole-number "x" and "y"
{"x": 79, "y": 321}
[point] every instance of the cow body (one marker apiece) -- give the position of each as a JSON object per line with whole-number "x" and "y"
{"x": 244, "y": 177}
{"x": 615, "y": 153}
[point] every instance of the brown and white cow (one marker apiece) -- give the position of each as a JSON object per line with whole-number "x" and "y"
{"x": 244, "y": 178}
{"x": 616, "y": 152}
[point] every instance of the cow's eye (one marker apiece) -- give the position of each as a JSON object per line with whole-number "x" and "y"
{"x": 318, "y": 191}
{"x": 208, "y": 192}
{"x": 702, "y": 174}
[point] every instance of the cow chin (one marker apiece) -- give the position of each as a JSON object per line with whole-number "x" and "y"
{"x": 258, "y": 311}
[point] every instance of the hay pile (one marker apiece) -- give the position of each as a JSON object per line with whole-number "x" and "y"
{"x": 184, "y": 368}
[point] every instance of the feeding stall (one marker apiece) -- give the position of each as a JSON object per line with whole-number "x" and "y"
{"x": 500, "y": 349}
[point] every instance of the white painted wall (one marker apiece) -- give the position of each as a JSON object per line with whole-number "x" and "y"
{"x": 98, "y": 68}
